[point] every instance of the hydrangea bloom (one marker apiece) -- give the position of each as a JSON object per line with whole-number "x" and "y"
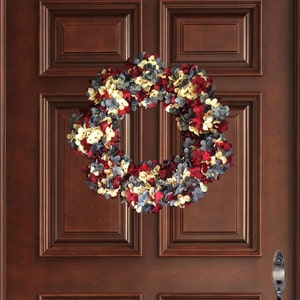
{"x": 185, "y": 92}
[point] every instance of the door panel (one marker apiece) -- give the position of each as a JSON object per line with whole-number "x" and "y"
{"x": 66, "y": 227}
{"x": 70, "y": 31}
{"x": 234, "y": 229}
{"x": 65, "y": 242}
{"x": 227, "y": 40}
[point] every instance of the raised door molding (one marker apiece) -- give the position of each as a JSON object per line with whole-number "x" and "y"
{"x": 227, "y": 221}
{"x": 210, "y": 296}
{"x": 228, "y": 35}
{"x": 74, "y": 296}
{"x": 73, "y": 220}
{"x": 76, "y": 36}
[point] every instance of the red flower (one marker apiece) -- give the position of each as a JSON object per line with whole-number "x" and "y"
{"x": 131, "y": 197}
{"x": 156, "y": 208}
{"x": 199, "y": 84}
{"x": 140, "y": 96}
{"x": 147, "y": 55}
{"x": 98, "y": 97}
{"x": 125, "y": 110}
{"x": 162, "y": 84}
{"x": 197, "y": 122}
{"x": 151, "y": 181}
{"x": 198, "y": 108}
{"x": 184, "y": 68}
{"x": 164, "y": 173}
{"x": 196, "y": 172}
{"x": 116, "y": 181}
{"x": 223, "y": 126}
{"x": 93, "y": 178}
{"x": 104, "y": 125}
{"x": 132, "y": 170}
{"x": 170, "y": 196}
{"x": 224, "y": 145}
{"x": 197, "y": 157}
{"x": 158, "y": 196}
{"x": 206, "y": 156}
{"x": 90, "y": 154}
{"x": 85, "y": 145}
{"x": 108, "y": 72}
{"x": 144, "y": 167}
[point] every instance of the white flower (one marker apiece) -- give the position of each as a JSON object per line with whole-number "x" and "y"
{"x": 213, "y": 102}
{"x": 109, "y": 134}
{"x": 95, "y": 134}
{"x": 186, "y": 91}
{"x": 92, "y": 94}
{"x": 203, "y": 187}
{"x": 81, "y": 133}
{"x": 194, "y": 129}
{"x": 151, "y": 60}
{"x": 145, "y": 84}
{"x": 180, "y": 78}
{"x": 220, "y": 156}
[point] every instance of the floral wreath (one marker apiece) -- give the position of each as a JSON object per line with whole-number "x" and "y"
{"x": 148, "y": 186}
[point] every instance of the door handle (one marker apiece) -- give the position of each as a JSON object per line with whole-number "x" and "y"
{"x": 278, "y": 274}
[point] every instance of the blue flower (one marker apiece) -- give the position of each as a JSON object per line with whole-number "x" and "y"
{"x": 181, "y": 167}
{"x": 150, "y": 100}
{"x": 116, "y": 159}
{"x": 96, "y": 147}
{"x": 215, "y": 170}
{"x": 174, "y": 110}
{"x": 124, "y": 81}
{"x": 96, "y": 117}
{"x": 180, "y": 101}
{"x": 112, "y": 150}
{"x": 197, "y": 193}
{"x": 188, "y": 142}
{"x": 96, "y": 82}
{"x": 134, "y": 88}
{"x": 151, "y": 74}
{"x": 92, "y": 186}
{"x": 147, "y": 208}
{"x": 203, "y": 97}
{"x": 179, "y": 189}
{"x": 117, "y": 171}
{"x": 96, "y": 167}
{"x": 111, "y": 103}
{"x": 191, "y": 181}
{"x": 144, "y": 196}
{"x": 168, "y": 98}
{"x": 221, "y": 112}
{"x": 207, "y": 144}
{"x": 74, "y": 118}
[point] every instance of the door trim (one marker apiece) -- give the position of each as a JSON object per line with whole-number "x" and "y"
{"x": 2, "y": 145}
{"x": 296, "y": 202}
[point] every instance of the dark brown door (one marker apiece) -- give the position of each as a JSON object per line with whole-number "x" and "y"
{"x": 65, "y": 242}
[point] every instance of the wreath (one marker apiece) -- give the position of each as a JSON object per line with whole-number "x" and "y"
{"x": 148, "y": 186}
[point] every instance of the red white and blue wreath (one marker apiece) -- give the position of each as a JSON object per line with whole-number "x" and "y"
{"x": 148, "y": 186}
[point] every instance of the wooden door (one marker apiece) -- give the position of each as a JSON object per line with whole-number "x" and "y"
{"x": 63, "y": 241}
